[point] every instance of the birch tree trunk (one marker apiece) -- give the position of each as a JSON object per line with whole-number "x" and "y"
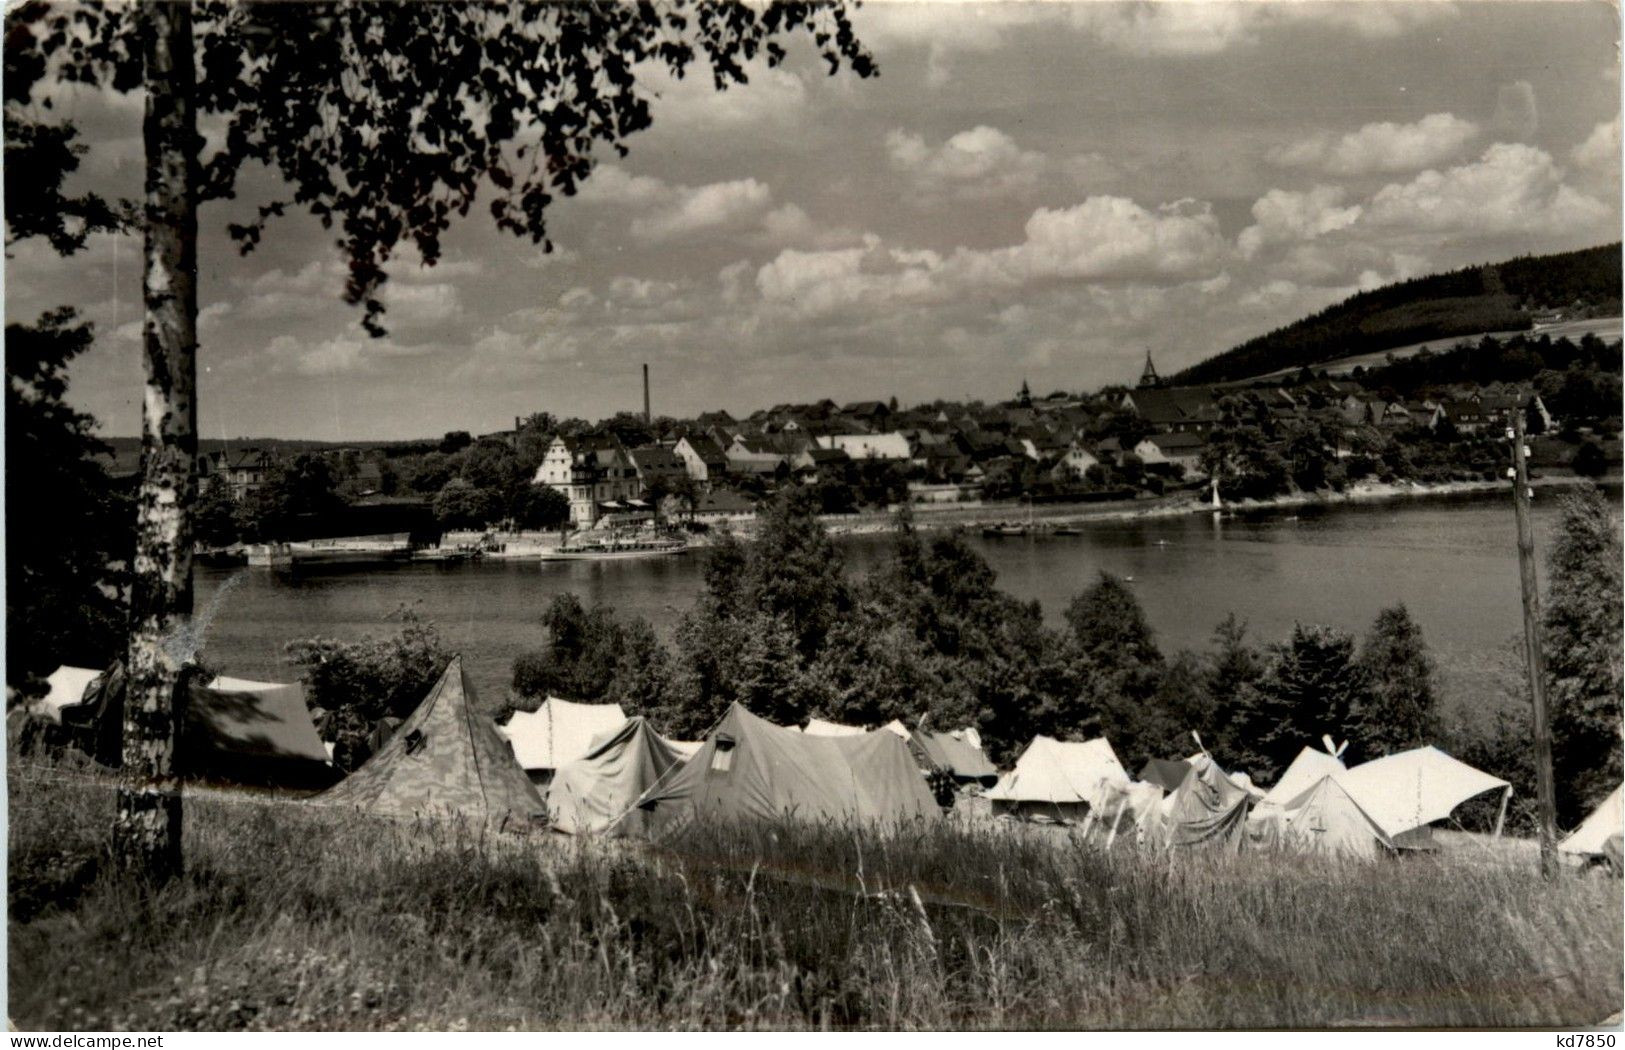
{"x": 147, "y": 828}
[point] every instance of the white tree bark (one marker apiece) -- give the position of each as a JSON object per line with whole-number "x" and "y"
{"x": 147, "y": 828}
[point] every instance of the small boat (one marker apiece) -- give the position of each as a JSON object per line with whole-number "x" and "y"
{"x": 1067, "y": 530}
{"x": 1004, "y": 529}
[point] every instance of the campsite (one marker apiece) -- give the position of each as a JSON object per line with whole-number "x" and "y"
{"x": 802, "y": 877}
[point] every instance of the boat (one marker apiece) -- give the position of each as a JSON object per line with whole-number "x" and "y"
{"x": 1067, "y": 530}
{"x": 1004, "y": 529}
{"x": 616, "y": 548}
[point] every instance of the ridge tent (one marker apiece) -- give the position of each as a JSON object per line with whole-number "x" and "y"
{"x": 1591, "y": 838}
{"x": 964, "y": 762}
{"x": 1326, "y": 820}
{"x": 1057, "y": 779}
{"x": 557, "y": 733}
{"x": 819, "y": 727}
{"x": 444, "y": 760}
{"x": 595, "y": 790}
{"x": 1304, "y": 773}
{"x": 751, "y": 769}
{"x": 897, "y": 728}
{"x": 241, "y": 725}
{"x": 1407, "y": 791}
{"x": 969, "y": 735}
{"x": 1208, "y": 808}
{"x": 685, "y": 748}
{"x": 1166, "y": 773}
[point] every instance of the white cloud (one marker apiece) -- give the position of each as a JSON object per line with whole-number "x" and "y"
{"x": 341, "y": 355}
{"x": 772, "y": 97}
{"x": 1385, "y": 147}
{"x": 690, "y": 209}
{"x": 1601, "y": 149}
{"x": 1512, "y": 188}
{"x": 1516, "y": 114}
{"x": 1286, "y": 216}
{"x": 983, "y": 161}
{"x": 1208, "y": 28}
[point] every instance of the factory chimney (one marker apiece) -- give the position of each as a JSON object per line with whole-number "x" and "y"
{"x": 646, "y": 417}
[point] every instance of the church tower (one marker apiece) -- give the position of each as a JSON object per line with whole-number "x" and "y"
{"x": 1149, "y": 376}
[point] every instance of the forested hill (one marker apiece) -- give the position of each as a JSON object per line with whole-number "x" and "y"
{"x": 1493, "y": 298}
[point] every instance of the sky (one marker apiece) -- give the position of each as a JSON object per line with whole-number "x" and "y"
{"x": 1028, "y": 191}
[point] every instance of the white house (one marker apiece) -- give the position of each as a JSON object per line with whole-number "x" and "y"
{"x": 1183, "y": 450}
{"x": 891, "y": 445}
{"x": 588, "y": 472}
{"x": 1079, "y": 459}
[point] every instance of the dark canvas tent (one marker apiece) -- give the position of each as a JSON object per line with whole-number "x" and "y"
{"x": 234, "y": 729}
{"x": 1208, "y": 808}
{"x": 1166, "y": 773}
{"x": 594, "y": 791}
{"x": 444, "y": 760}
{"x": 750, "y": 769}
{"x": 960, "y": 759}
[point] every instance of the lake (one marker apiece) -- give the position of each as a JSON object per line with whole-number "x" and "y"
{"x": 1451, "y": 560}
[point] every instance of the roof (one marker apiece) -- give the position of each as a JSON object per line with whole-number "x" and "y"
{"x": 751, "y": 769}
{"x": 1054, "y": 771}
{"x": 559, "y": 731}
{"x": 867, "y": 446}
{"x": 656, "y": 459}
{"x": 1173, "y": 405}
{"x": 1182, "y": 442}
{"x": 444, "y": 760}
{"x": 705, "y": 448}
{"x": 1165, "y": 773}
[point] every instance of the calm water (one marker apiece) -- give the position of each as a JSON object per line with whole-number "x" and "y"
{"x": 1453, "y": 562}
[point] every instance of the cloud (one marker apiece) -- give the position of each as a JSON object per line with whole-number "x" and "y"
{"x": 1285, "y": 216}
{"x": 1512, "y": 188}
{"x": 1382, "y": 148}
{"x": 981, "y": 162}
{"x": 1208, "y": 28}
{"x": 690, "y": 209}
{"x": 771, "y": 97}
{"x": 1103, "y": 239}
{"x": 342, "y": 355}
{"x": 1601, "y": 149}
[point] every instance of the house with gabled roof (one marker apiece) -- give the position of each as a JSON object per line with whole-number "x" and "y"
{"x": 1175, "y": 409}
{"x": 704, "y": 460}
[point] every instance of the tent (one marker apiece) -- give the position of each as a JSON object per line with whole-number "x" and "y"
{"x": 1407, "y": 791}
{"x": 1128, "y": 807}
{"x": 558, "y": 732}
{"x": 1208, "y": 808}
{"x": 594, "y": 791}
{"x": 261, "y": 731}
{"x": 685, "y": 748}
{"x": 969, "y": 735}
{"x": 1166, "y": 773}
{"x": 1056, "y": 779}
{"x": 1606, "y": 822}
{"x": 1325, "y": 819}
{"x": 444, "y": 760}
{"x": 751, "y": 769}
{"x": 954, "y": 756}
{"x": 819, "y": 727}
{"x": 68, "y": 687}
{"x": 235, "y": 729}
{"x": 1304, "y": 773}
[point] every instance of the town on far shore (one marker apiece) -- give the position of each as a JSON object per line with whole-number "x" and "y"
{"x": 1430, "y": 418}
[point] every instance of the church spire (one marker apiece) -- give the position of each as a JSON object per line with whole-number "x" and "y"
{"x": 1149, "y": 376}
{"x": 1026, "y": 395}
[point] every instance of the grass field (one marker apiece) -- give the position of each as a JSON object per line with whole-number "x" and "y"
{"x": 292, "y": 918}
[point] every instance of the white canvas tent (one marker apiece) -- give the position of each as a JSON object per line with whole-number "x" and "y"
{"x": 559, "y": 731}
{"x": 1304, "y": 773}
{"x": 1059, "y": 779}
{"x": 68, "y": 685}
{"x": 1412, "y": 789}
{"x": 1605, "y": 822}
{"x": 1326, "y": 820}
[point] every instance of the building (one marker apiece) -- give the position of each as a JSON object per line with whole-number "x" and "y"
{"x": 1078, "y": 459}
{"x": 704, "y": 460}
{"x": 242, "y": 472}
{"x": 657, "y": 466}
{"x": 589, "y": 472}
{"x": 820, "y": 464}
{"x": 1180, "y": 450}
{"x": 1175, "y": 410}
{"x": 891, "y": 446}
{"x": 751, "y": 458}
{"x": 1148, "y": 376}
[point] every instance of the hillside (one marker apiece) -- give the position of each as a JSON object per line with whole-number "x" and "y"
{"x": 1495, "y": 297}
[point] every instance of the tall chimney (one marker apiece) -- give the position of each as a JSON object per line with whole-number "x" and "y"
{"x": 646, "y": 417}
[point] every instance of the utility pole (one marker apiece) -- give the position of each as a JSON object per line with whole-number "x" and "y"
{"x": 1534, "y": 659}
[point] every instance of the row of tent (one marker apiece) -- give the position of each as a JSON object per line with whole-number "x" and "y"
{"x": 604, "y": 772}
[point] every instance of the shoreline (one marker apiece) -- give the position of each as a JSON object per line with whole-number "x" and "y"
{"x": 1175, "y": 506}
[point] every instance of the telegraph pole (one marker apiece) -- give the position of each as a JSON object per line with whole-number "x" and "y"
{"x": 1534, "y": 659}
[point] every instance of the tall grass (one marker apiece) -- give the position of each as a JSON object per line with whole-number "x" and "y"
{"x": 292, "y": 917}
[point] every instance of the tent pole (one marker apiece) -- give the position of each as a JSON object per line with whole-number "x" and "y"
{"x": 1116, "y": 820}
{"x": 1501, "y": 817}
